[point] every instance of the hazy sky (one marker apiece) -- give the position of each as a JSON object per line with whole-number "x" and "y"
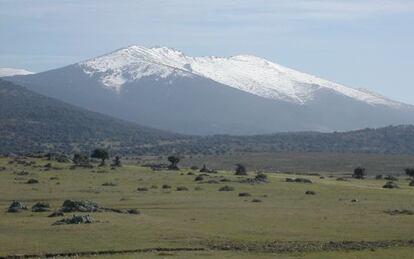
{"x": 359, "y": 43}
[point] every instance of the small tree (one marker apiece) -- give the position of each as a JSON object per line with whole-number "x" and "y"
{"x": 409, "y": 172}
{"x": 359, "y": 173}
{"x": 117, "y": 161}
{"x": 100, "y": 153}
{"x": 241, "y": 169}
{"x": 174, "y": 162}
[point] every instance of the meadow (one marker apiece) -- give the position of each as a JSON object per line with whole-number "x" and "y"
{"x": 277, "y": 219}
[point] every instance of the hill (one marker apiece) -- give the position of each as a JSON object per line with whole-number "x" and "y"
{"x": 31, "y": 122}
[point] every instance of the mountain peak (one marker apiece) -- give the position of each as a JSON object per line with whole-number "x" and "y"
{"x": 245, "y": 72}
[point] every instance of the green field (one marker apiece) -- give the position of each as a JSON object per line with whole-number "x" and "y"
{"x": 287, "y": 223}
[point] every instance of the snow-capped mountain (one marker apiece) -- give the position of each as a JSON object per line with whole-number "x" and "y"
{"x": 6, "y": 71}
{"x": 244, "y": 72}
{"x": 162, "y": 87}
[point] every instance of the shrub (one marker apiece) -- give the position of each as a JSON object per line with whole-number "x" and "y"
{"x": 390, "y": 185}
{"x": 310, "y": 192}
{"x": 32, "y": 181}
{"x": 182, "y": 188}
{"x": 240, "y": 169}
{"x": 359, "y": 173}
{"x": 244, "y": 194}
{"x": 198, "y": 178}
{"x": 142, "y": 189}
{"x": 166, "y": 186}
{"x": 226, "y": 189}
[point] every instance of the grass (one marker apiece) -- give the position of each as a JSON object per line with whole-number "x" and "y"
{"x": 200, "y": 218}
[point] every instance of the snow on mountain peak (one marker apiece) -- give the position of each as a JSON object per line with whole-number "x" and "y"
{"x": 5, "y": 71}
{"x": 248, "y": 73}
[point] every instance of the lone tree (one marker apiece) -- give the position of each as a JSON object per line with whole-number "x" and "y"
{"x": 359, "y": 173}
{"x": 117, "y": 161}
{"x": 241, "y": 169}
{"x": 409, "y": 172}
{"x": 174, "y": 162}
{"x": 100, "y": 153}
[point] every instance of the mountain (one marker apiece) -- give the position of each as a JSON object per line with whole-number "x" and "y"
{"x": 31, "y": 122}
{"x": 5, "y": 71}
{"x": 243, "y": 95}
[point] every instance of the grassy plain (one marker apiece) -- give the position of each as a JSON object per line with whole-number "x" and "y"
{"x": 222, "y": 223}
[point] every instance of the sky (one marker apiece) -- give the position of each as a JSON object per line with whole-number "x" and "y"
{"x": 359, "y": 43}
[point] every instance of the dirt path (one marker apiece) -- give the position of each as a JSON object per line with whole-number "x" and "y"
{"x": 266, "y": 247}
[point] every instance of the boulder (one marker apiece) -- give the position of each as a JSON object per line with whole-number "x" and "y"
{"x": 80, "y": 206}
{"x": 76, "y": 219}
{"x": 41, "y": 207}
{"x": 16, "y": 206}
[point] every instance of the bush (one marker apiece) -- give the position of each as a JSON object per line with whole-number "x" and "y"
{"x": 359, "y": 173}
{"x": 226, "y": 189}
{"x": 32, "y": 181}
{"x": 390, "y": 185}
{"x": 181, "y": 188}
{"x": 166, "y": 186}
{"x": 240, "y": 169}
{"x": 199, "y": 178}
{"x": 310, "y": 192}
{"x": 142, "y": 189}
{"x": 244, "y": 194}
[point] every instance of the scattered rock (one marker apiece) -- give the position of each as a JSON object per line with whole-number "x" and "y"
{"x": 310, "y": 192}
{"x": 390, "y": 185}
{"x": 226, "y": 189}
{"x": 76, "y": 219}
{"x": 41, "y": 207}
{"x": 80, "y": 206}
{"x": 16, "y": 206}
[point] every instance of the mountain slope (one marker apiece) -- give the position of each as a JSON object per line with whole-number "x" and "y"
{"x": 164, "y": 88}
{"x": 5, "y": 71}
{"x": 31, "y": 122}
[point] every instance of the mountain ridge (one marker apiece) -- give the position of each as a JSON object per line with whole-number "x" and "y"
{"x": 163, "y": 88}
